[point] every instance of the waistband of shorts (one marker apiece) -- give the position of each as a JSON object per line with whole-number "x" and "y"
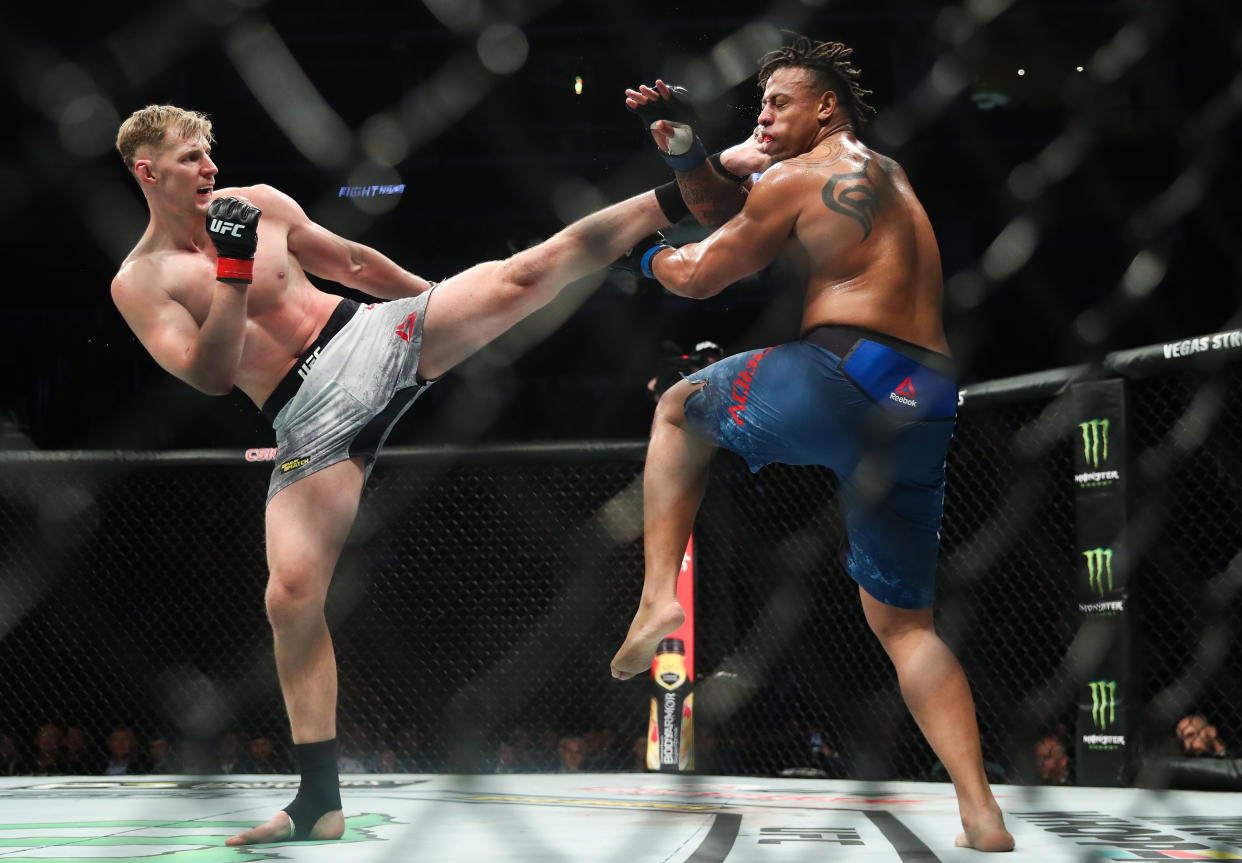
{"x": 842, "y": 338}
{"x": 289, "y": 384}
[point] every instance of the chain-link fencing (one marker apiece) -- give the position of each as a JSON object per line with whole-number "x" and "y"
{"x": 1074, "y": 160}
{"x": 484, "y": 590}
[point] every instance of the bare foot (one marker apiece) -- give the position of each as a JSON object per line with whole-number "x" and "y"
{"x": 650, "y": 624}
{"x": 987, "y": 833}
{"x": 331, "y": 825}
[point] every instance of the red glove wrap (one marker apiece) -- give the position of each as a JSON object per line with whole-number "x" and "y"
{"x": 234, "y": 269}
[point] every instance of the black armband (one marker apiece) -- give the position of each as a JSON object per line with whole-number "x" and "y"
{"x": 714, "y": 158}
{"x": 671, "y": 202}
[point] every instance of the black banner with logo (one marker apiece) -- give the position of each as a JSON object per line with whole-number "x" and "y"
{"x": 1105, "y": 735}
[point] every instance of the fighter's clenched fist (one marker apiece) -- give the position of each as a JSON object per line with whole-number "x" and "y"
{"x": 233, "y": 226}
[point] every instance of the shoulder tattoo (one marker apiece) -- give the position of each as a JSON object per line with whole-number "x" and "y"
{"x": 852, "y": 195}
{"x": 832, "y": 154}
{"x": 835, "y": 153}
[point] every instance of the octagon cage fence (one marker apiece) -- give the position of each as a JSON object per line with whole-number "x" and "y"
{"x": 484, "y": 590}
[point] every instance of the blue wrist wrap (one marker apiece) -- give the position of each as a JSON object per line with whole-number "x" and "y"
{"x": 645, "y": 265}
{"x": 689, "y": 160}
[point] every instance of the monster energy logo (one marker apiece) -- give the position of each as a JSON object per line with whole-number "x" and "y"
{"x": 1094, "y": 441}
{"x": 1099, "y": 569}
{"x": 1103, "y": 716}
{"x": 1095, "y": 453}
{"x": 1103, "y": 703}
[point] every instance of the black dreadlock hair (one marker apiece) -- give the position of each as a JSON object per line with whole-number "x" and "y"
{"x": 831, "y": 62}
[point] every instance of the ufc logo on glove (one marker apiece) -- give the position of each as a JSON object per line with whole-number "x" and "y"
{"x": 221, "y": 227}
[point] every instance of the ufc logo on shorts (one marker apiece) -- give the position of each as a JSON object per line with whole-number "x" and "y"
{"x": 221, "y": 227}
{"x": 310, "y": 361}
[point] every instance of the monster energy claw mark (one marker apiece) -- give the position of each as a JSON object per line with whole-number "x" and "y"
{"x": 1094, "y": 441}
{"x": 1103, "y": 703}
{"x": 1099, "y": 569}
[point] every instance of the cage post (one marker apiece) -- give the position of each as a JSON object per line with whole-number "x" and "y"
{"x": 1105, "y": 739}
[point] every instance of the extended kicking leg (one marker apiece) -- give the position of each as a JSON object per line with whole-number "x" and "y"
{"x": 478, "y": 305}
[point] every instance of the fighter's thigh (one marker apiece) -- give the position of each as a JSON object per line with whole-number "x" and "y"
{"x": 475, "y": 307}
{"x": 309, "y": 521}
{"x": 894, "y": 540}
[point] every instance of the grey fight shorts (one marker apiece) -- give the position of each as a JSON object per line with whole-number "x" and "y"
{"x": 348, "y": 390}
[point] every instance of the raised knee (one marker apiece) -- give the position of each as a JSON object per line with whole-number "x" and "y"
{"x": 671, "y": 407}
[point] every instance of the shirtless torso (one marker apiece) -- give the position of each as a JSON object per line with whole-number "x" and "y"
{"x": 845, "y": 215}
{"x": 167, "y": 285}
{"x": 870, "y": 254}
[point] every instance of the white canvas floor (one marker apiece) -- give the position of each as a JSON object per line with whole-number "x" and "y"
{"x": 603, "y": 818}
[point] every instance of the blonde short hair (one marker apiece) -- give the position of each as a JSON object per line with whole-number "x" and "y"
{"x": 150, "y": 126}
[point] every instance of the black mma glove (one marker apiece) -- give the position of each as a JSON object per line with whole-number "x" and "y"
{"x": 638, "y": 259}
{"x": 685, "y": 150}
{"x": 233, "y": 226}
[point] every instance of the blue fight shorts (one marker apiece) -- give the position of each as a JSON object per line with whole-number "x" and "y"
{"x": 877, "y": 411}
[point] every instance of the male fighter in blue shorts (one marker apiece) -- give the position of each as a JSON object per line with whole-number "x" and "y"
{"x": 868, "y": 390}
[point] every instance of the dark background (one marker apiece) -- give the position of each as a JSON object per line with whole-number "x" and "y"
{"x": 1145, "y": 173}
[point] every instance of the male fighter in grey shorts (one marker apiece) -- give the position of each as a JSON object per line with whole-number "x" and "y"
{"x": 221, "y": 302}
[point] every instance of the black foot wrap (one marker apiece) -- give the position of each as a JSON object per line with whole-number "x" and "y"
{"x": 320, "y": 791}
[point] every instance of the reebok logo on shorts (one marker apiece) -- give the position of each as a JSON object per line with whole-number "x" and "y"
{"x": 904, "y": 394}
{"x": 407, "y": 327}
{"x": 294, "y": 464}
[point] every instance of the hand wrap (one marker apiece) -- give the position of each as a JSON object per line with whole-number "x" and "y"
{"x": 638, "y": 259}
{"x": 685, "y": 150}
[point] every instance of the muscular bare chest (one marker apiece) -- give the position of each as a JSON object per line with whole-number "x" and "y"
{"x": 280, "y": 302}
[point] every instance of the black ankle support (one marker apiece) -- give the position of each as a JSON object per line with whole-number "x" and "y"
{"x": 320, "y": 790}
